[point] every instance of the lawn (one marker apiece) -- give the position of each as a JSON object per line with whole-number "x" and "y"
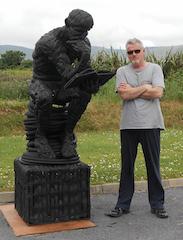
{"x": 101, "y": 151}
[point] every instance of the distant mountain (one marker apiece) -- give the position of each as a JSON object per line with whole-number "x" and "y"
{"x": 158, "y": 51}
{"x": 161, "y": 51}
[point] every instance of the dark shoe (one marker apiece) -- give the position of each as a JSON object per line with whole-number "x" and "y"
{"x": 161, "y": 213}
{"x": 117, "y": 212}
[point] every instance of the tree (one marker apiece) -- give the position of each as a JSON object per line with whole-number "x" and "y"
{"x": 26, "y": 64}
{"x": 11, "y": 59}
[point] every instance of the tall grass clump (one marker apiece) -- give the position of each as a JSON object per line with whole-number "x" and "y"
{"x": 170, "y": 63}
{"x": 14, "y": 84}
{"x": 107, "y": 91}
{"x": 174, "y": 86}
{"x": 108, "y": 61}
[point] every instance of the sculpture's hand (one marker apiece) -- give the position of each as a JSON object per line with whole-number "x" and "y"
{"x": 79, "y": 46}
{"x": 83, "y": 61}
{"x": 83, "y": 51}
{"x": 90, "y": 86}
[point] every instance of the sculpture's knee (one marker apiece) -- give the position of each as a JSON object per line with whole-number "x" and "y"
{"x": 41, "y": 95}
{"x": 44, "y": 100}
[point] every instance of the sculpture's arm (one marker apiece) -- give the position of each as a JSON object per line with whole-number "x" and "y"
{"x": 58, "y": 55}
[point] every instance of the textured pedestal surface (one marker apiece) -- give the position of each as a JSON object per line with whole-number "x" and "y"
{"x": 52, "y": 193}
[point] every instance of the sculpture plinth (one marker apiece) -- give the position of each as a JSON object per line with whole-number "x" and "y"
{"x": 52, "y": 193}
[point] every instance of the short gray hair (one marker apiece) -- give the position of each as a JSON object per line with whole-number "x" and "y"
{"x": 134, "y": 41}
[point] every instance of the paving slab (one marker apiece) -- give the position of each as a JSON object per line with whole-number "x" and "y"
{"x": 139, "y": 224}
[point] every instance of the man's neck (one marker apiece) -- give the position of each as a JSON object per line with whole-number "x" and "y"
{"x": 139, "y": 66}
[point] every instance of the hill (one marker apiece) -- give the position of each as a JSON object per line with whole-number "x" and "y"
{"x": 161, "y": 51}
{"x": 158, "y": 51}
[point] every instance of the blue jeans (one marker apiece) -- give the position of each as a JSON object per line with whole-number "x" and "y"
{"x": 150, "y": 141}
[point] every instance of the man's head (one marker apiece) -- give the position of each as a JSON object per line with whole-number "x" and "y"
{"x": 135, "y": 51}
{"x": 78, "y": 23}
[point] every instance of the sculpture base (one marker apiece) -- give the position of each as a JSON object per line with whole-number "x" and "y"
{"x": 52, "y": 193}
{"x": 33, "y": 158}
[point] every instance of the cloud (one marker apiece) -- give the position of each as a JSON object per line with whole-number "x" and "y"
{"x": 157, "y": 23}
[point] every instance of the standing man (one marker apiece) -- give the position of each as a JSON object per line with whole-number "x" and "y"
{"x": 140, "y": 85}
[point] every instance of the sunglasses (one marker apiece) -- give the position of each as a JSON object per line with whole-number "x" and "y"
{"x": 135, "y": 51}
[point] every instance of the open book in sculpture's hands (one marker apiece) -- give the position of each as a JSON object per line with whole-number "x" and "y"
{"x": 101, "y": 76}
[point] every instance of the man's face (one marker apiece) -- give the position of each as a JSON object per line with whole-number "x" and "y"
{"x": 135, "y": 57}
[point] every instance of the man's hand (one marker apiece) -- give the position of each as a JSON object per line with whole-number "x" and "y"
{"x": 124, "y": 85}
{"x": 148, "y": 86}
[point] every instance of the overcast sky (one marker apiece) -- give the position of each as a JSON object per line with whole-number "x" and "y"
{"x": 156, "y": 23}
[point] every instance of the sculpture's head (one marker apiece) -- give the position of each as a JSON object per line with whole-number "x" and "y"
{"x": 78, "y": 24}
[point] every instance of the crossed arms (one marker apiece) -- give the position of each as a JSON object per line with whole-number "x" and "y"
{"x": 146, "y": 91}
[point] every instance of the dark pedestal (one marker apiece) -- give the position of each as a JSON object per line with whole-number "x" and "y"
{"x": 52, "y": 193}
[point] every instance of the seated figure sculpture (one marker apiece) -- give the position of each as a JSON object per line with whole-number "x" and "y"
{"x": 53, "y": 65}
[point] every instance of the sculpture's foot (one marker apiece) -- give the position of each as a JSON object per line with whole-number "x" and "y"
{"x": 43, "y": 148}
{"x": 68, "y": 148}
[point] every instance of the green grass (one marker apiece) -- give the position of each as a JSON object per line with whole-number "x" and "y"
{"x": 101, "y": 151}
{"x": 10, "y": 148}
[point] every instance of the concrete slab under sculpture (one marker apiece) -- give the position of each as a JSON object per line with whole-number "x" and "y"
{"x": 20, "y": 228}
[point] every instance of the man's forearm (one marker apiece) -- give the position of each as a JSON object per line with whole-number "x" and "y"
{"x": 128, "y": 93}
{"x": 153, "y": 93}
{"x": 132, "y": 93}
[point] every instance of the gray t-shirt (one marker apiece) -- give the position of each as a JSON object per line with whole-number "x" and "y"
{"x": 141, "y": 113}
